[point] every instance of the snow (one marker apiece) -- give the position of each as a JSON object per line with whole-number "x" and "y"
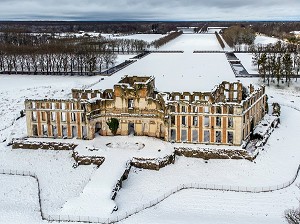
{"x": 19, "y": 193}
{"x": 146, "y": 37}
{"x": 123, "y": 57}
{"x": 218, "y": 207}
{"x": 246, "y": 60}
{"x": 98, "y": 191}
{"x": 193, "y": 42}
{"x": 95, "y": 200}
{"x": 186, "y": 75}
{"x": 61, "y": 184}
{"x": 261, "y": 39}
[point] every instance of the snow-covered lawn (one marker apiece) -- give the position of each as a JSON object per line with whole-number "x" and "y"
{"x": 146, "y": 37}
{"x": 178, "y": 71}
{"x": 219, "y": 207}
{"x": 193, "y": 42}
{"x": 98, "y": 190}
{"x": 246, "y": 60}
{"x": 19, "y": 194}
{"x": 123, "y": 57}
{"x": 261, "y": 39}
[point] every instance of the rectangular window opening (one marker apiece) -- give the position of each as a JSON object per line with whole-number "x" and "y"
{"x": 183, "y": 120}
{"x": 230, "y": 137}
{"x": 64, "y": 131}
{"x": 195, "y": 136}
{"x": 172, "y": 120}
{"x": 218, "y": 137}
{"x": 183, "y": 135}
{"x": 206, "y": 109}
{"x": 74, "y": 131}
{"x": 34, "y": 130}
{"x": 173, "y": 134}
{"x": 206, "y": 121}
{"x": 218, "y": 121}
{"x": 230, "y": 122}
{"x": 33, "y": 115}
{"x": 206, "y": 136}
{"x": 130, "y": 103}
{"x": 195, "y": 121}
{"x": 63, "y": 116}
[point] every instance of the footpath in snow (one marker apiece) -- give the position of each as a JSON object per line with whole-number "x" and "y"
{"x": 118, "y": 151}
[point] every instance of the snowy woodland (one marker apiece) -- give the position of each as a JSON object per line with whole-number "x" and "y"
{"x": 68, "y": 54}
{"x": 85, "y": 191}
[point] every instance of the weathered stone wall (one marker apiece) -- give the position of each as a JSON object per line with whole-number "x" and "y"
{"x": 21, "y": 144}
{"x": 153, "y": 164}
{"x": 213, "y": 153}
{"x": 88, "y": 160}
{"x": 119, "y": 183}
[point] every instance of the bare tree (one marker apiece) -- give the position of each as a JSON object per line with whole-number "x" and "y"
{"x": 293, "y": 215}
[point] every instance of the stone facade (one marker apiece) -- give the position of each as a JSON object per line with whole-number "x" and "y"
{"x": 227, "y": 115}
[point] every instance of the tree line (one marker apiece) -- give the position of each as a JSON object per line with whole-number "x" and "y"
{"x": 163, "y": 40}
{"x": 30, "y": 54}
{"x": 127, "y": 45}
{"x": 237, "y": 35}
{"x": 220, "y": 40}
{"x": 44, "y": 54}
{"x": 277, "y": 61}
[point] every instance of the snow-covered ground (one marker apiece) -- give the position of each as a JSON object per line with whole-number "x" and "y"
{"x": 146, "y": 37}
{"x": 178, "y": 71}
{"x": 246, "y": 60}
{"x": 219, "y": 207}
{"x": 123, "y": 57}
{"x": 261, "y": 39}
{"x": 276, "y": 164}
{"x": 193, "y": 42}
{"x": 21, "y": 194}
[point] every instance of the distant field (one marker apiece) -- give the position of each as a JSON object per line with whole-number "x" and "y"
{"x": 178, "y": 71}
{"x": 265, "y": 40}
{"x": 191, "y": 42}
{"x": 146, "y": 37}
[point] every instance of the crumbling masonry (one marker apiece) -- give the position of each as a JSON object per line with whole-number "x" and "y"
{"x": 227, "y": 115}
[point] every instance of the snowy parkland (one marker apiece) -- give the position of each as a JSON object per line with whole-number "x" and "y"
{"x": 241, "y": 191}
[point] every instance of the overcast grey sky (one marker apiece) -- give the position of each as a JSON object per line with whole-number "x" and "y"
{"x": 150, "y": 9}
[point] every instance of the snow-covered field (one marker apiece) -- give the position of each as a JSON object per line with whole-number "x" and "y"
{"x": 275, "y": 165}
{"x": 246, "y": 60}
{"x": 178, "y": 71}
{"x": 146, "y": 37}
{"x": 219, "y": 207}
{"x": 21, "y": 194}
{"x": 261, "y": 39}
{"x": 193, "y": 42}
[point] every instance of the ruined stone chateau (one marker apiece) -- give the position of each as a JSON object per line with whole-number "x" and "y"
{"x": 227, "y": 115}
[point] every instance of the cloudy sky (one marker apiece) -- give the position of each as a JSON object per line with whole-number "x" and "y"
{"x": 150, "y": 10}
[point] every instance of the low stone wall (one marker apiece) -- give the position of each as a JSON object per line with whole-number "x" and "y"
{"x": 119, "y": 183}
{"x": 23, "y": 144}
{"x": 206, "y": 153}
{"x": 153, "y": 164}
{"x": 88, "y": 160}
